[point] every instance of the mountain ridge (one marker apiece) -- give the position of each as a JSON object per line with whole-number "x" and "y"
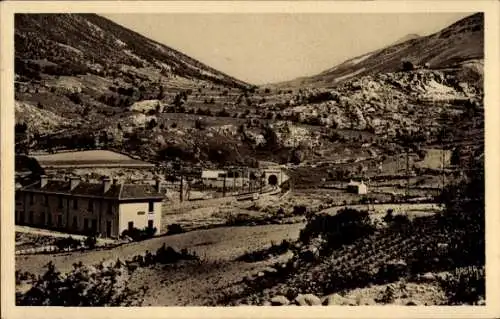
{"x": 459, "y": 42}
{"x": 65, "y": 31}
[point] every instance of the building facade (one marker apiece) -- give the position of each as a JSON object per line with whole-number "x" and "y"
{"x": 74, "y": 206}
{"x": 359, "y": 188}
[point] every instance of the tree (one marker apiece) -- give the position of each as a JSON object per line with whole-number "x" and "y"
{"x": 90, "y": 241}
{"x": 465, "y": 214}
{"x": 200, "y": 124}
{"x": 20, "y": 128}
{"x": 161, "y": 94}
{"x": 151, "y": 124}
{"x": 75, "y": 98}
{"x": 455, "y": 157}
{"x": 407, "y": 65}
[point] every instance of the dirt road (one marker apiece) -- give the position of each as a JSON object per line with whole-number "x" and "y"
{"x": 217, "y": 244}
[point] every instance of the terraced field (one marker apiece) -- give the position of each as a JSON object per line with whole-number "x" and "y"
{"x": 352, "y": 266}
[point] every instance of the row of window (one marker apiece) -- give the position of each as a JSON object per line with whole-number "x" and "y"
{"x": 46, "y": 220}
{"x": 90, "y": 203}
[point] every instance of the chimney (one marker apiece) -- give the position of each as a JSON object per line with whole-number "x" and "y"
{"x": 43, "y": 180}
{"x": 157, "y": 185}
{"x": 74, "y": 182}
{"x": 106, "y": 182}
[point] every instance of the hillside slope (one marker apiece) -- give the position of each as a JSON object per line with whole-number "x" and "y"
{"x": 92, "y": 71}
{"x": 461, "y": 41}
{"x": 91, "y": 43}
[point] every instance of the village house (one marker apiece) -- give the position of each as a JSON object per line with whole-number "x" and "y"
{"x": 359, "y": 188}
{"x": 213, "y": 178}
{"x": 107, "y": 208}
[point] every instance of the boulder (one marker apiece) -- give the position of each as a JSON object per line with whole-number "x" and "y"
{"x": 279, "y": 301}
{"x": 270, "y": 270}
{"x": 428, "y": 276}
{"x": 365, "y": 301}
{"x": 413, "y": 303}
{"x": 335, "y": 300}
{"x": 307, "y": 300}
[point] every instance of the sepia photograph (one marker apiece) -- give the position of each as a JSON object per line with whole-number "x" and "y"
{"x": 229, "y": 159}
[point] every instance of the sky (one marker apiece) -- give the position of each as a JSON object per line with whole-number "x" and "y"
{"x": 273, "y": 47}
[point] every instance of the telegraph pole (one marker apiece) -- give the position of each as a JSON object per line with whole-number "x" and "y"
{"x": 442, "y": 160}
{"x": 224, "y": 186}
{"x": 261, "y": 183}
{"x": 181, "y": 191}
{"x": 407, "y": 173}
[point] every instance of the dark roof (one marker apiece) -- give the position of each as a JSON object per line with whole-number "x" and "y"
{"x": 130, "y": 191}
{"x": 86, "y": 189}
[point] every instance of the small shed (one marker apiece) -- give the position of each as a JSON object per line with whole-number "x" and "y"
{"x": 357, "y": 187}
{"x": 212, "y": 174}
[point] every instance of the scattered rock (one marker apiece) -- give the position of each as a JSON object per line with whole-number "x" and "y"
{"x": 428, "y": 276}
{"x": 334, "y": 300}
{"x": 366, "y": 302}
{"x": 413, "y": 303}
{"x": 307, "y": 300}
{"x": 279, "y": 301}
{"x": 270, "y": 270}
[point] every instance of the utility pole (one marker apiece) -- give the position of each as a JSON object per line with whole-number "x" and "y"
{"x": 261, "y": 183}
{"x": 188, "y": 189}
{"x": 442, "y": 159}
{"x": 234, "y": 181}
{"x": 181, "y": 186}
{"x": 407, "y": 173}
{"x": 249, "y": 182}
{"x": 397, "y": 163}
{"x": 224, "y": 186}
{"x": 442, "y": 168}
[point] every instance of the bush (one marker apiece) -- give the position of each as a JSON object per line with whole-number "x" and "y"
{"x": 83, "y": 286}
{"x": 200, "y": 124}
{"x": 90, "y": 241}
{"x": 340, "y": 229}
{"x": 407, "y": 65}
{"x": 168, "y": 255}
{"x": 75, "y": 98}
{"x": 67, "y": 243}
{"x": 465, "y": 285}
{"x": 238, "y": 219}
{"x": 175, "y": 229}
{"x": 389, "y": 215}
{"x": 223, "y": 113}
{"x": 139, "y": 234}
{"x": 299, "y": 210}
{"x": 264, "y": 254}
{"x": 400, "y": 222}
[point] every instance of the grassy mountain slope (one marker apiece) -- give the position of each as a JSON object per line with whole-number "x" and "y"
{"x": 84, "y": 75}
{"x": 93, "y": 43}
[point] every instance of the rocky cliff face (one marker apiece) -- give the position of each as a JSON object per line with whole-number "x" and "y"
{"x": 386, "y": 102}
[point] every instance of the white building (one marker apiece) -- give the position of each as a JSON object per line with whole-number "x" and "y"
{"x": 357, "y": 187}
{"x": 81, "y": 207}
